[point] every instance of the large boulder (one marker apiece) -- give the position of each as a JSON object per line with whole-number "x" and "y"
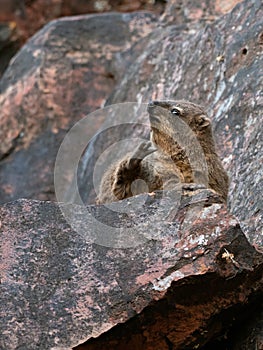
{"x": 64, "y": 72}
{"x": 146, "y": 283}
{"x": 29, "y": 16}
{"x": 217, "y": 66}
{"x": 196, "y": 14}
{"x": 158, "y": 271}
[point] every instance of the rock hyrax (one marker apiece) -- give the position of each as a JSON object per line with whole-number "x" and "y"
{"x": 181, "y": 150}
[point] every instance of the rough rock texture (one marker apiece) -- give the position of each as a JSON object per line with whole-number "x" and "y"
{"x": 196, "y": 13}
{"x": 8, "y": 44}
{"x": 71, "y": 73}
{"x": 31, "y": 15}
{"x": 11, "y": 8}
{"x": 194, "y": 281}
{"x": 218, "y": 67}
{"x": 178, "y": 288}
{"x": 22, "y": 19}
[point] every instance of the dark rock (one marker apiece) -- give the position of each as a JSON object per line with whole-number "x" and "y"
{"x": 185, "y": 281}
{"x": 8, "y": 44}
{"x": 71, "y": 7}
{"x": 11, "y": 8}
{"x": 6, "y": 33}
{"x": 218, "y": 67}
{"x": 63, "y": 73}
{"x": 177, "y": 272}
{"x": 245, "y": 333}
{"x": 31, "y": 15}
{"x": 196, "y": 13}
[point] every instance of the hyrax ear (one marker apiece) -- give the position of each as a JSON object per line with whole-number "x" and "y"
{"x": 203, "y": 121}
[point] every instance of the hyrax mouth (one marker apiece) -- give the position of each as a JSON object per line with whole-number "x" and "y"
{"x": 155, "y": 115}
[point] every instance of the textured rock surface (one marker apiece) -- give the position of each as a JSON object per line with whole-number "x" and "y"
{"x": 58, "y": 290}
{"x": 186, "y": 286}
{"x": 218, "y": 67}
{"x": 196, "y": 13}
{"x": 71, "y": 73}
{"x": 31, "y": 15}
{"x": 8, "y": 44}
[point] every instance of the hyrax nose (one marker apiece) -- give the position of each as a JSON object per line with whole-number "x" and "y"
{"x": 153, "y": 103}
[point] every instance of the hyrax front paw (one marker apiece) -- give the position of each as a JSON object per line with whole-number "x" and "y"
{"x": 143, "y": 150}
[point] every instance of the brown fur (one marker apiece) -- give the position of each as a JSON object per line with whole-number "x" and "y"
{"x": 171, "y": 157}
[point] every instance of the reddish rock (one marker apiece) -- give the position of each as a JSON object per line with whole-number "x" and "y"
{"x": 196, "y": 13}
{"x": 70, "y": 7}
{"x": 31, "y": 15}
{"x": 181, "y": 286}
{"x": 63, "y": 73}
{"x": 11, "y": 9}
{"x": 194, "y": 281}
{"x": 217, "y": 67}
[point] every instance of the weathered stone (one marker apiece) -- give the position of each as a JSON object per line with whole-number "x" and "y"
{"x": 11, "y": 8}
{"x": 179, "y": 287}
{"x": 31, "y": 15}
{"x": 64, "y": 72}
{"x": 196, "y": 13}
{"x": 194, "y": 278}
{"x": 218, "y": 67}
{"x": 71, "y": 7}
{"x": 8, "y": 44}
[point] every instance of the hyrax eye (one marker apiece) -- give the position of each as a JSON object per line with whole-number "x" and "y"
{"x": 175, "y": 111}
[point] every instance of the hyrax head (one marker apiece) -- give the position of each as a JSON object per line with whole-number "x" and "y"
{"x": 177, "y": 122}
{"x": 166, "y": 114}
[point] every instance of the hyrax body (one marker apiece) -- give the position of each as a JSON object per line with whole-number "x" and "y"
{"x": 181, "y": 150}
